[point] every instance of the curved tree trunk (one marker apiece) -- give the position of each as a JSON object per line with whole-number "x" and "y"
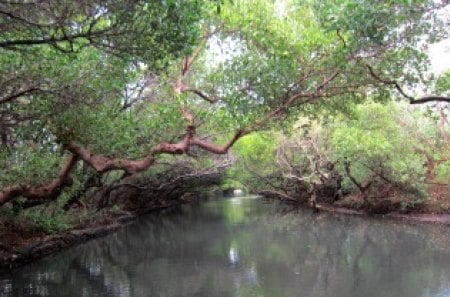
{"x": 43, "y": 192}
{"x": 103, "y": 164}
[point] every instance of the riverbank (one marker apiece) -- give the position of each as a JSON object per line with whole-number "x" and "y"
{"x": 27, "y": 246}
{"x": 432, "y": 218}
{"x": 30, "y": 232}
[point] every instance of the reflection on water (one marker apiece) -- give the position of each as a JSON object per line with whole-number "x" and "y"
{"x": 246, "y": 247}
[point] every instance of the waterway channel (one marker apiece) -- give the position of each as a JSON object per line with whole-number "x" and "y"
{"x": 245, "y": 246}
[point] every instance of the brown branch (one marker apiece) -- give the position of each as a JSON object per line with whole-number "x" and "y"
{"x": 362, "y": 187}
{"x": 50, "y": 40}
{"x": 278, "y": 112}
{"x": 215, "y": 148}
{"x": 102, "y": 163}
{"x": 49, "y": 191}
{"x": 265, "y": 179}
{"x": 411, "y": 99}
{"x": 308, "y": 97}
{"x": 12, "y": 97}
{"x": 338, "y": 32}
{"x": 388, "y": 82}
{"x": 201, "y": 94}
{"x": 327, "y": 80}
{"x": 179, "y": 86}
{"x": 273, "y": 193}
{"x": 430, "y": 99}
{"x": 188, "y": 61}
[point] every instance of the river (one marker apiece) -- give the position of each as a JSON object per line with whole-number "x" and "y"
{"x": 244, "y": 246}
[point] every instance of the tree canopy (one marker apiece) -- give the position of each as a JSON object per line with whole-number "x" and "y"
{"x": 114, "y": 85}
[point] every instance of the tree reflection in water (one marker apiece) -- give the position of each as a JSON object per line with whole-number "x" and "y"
{"x": 245, "y": 247}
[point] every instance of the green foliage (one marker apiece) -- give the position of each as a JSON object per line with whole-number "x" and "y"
{"x": 75, "y": 62}
{"x": 41, "y": 220}
{"x": 28, "y": 164}
{"x": 257, "y": 147}
{"x": 151, "y": 31}
{"x": 378, "y": 23}
{"x": 376, "y": 144}
{"x": 272, "y": 50}
{"x": 443, "y": 172}
{"x": 255, "y": 154}
{"x": 390, "y": 146}
{"x": 443, "y": 84}
{"x": 82, "y": 64}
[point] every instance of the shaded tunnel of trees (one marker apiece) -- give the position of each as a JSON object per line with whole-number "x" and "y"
{"x": 124, "y": 104}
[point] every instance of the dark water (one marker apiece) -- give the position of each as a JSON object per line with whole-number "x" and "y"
{"x": 245, "y": 247}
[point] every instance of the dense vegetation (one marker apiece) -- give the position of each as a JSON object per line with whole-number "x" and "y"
{"x": 98, "y": 96}
{"x": 388, "y": 156}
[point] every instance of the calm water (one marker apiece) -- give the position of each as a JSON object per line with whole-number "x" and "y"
{"x": 246, "y": 247}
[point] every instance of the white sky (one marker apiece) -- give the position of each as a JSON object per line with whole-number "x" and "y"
{"x": 439, "y": 54}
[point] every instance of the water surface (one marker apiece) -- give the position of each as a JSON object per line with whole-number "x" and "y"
{"x": 246, "y": 247}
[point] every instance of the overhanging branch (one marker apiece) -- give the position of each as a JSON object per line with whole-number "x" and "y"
{"x": 103, "y": 164}
{"x": 201, "y": 94}
{"x": 430, "y": 99}
{"x": 48, "y": 192}
{"x": 397, "y": 86}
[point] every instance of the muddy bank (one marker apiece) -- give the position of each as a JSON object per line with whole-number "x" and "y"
{"x": 23, "y": 252}
{"x": 443, "y": 219}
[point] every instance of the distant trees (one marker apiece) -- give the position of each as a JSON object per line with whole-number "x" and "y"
{"x": 385, "y": 153}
